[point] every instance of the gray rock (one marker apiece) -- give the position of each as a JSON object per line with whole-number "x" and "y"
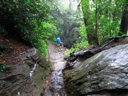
{"x": 105, "y": 73}
{"x": 16, "y": 81}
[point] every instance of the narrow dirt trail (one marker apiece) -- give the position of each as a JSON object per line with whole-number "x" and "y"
{"x": 55, "y": 85}
{"x": 56, "y": 56}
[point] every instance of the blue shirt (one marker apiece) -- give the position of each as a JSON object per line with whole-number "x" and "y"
{"x": 58, "y": 41}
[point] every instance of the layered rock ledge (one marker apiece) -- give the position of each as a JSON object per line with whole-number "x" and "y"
{"x": 26, "y": 78}
{"x": 104, "y": 74}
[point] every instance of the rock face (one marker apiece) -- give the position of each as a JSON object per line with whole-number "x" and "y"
{"x": 26, "y": 77}
{"x": 104, "y": 74}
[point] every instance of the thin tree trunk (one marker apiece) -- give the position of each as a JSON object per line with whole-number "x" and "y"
{"x": 124, "y": 20}
{"x": 96, "y": 31}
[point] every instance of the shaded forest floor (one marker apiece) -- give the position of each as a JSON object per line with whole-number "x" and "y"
{"x": 9, "y": 49}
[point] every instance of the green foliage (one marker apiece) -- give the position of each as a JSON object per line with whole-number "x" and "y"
{"x": 42, "y": 46}
{"x": 78, "y": 46}
{"x": 109, "y": 17}
{"x": 81, "y": 45}
{"x": 29, "y": 20}
{"x": 2, "y": 67}
{"x": 82, "y": 30}
{"x": 68, "y": 21}
{"x": 67, "y": 54}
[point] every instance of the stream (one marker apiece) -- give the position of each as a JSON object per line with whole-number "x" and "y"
{"x": 55, "y": 84}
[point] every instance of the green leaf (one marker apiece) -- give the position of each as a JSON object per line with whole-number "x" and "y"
{"x": 28, "y": 1}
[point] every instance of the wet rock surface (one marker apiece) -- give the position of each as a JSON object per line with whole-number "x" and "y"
{"x": 26, "y": 77}
{"x": 104, "y": 74}
{"x": 55, "y": 84}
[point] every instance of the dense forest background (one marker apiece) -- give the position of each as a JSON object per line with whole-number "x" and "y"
{"x": 79, "y": 23}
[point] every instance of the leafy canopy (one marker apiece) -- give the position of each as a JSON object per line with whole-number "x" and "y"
{"x": 29, "y": 20}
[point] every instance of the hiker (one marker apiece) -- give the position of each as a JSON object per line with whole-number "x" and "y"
{"x": 58, "y": 41}
{"x": 62, "y": 44}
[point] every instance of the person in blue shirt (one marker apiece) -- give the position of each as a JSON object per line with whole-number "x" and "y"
{"x": 58, "y": 41}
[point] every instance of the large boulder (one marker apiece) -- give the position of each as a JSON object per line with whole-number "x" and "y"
{"x": 104, "y": 74}
{"x": 26, "y": 77}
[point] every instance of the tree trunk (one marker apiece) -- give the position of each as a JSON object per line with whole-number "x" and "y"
{"x": 91, "y": 33}
{"x": 124, "y": 20}
{"x": 96, "y": 31}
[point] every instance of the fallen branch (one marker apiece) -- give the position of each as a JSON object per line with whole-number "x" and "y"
{"x": 84, "y": 54}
